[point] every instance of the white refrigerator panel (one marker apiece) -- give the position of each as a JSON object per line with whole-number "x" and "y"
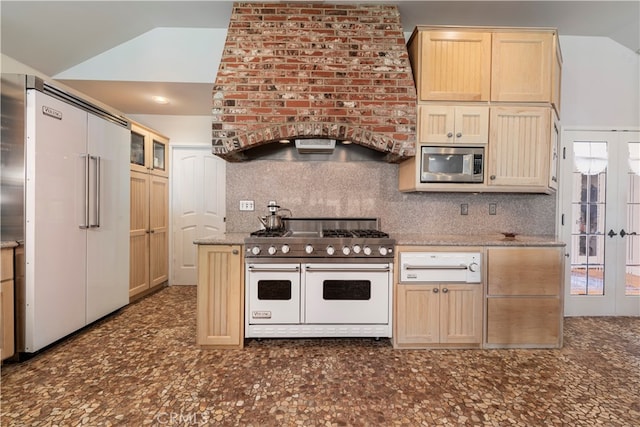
{"x": 108, "y": 236}
{"x": 55, "y": 276}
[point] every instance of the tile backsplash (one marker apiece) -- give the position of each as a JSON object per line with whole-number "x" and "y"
{"x": 370, "y": 189}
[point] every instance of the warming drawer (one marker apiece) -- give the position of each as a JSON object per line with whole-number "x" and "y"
{"x": 462, "y": 267}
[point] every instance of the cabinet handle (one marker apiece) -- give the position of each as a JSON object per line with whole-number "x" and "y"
{"x": 445, "y": 290}
{"x": 450, "y": 134}
{"x": 458, "y": 135}
{"x": 436, "y": 290}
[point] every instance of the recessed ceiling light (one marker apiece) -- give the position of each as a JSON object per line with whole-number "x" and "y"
{"x": 160, "y": 100}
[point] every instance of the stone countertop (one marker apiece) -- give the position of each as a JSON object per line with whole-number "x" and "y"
{"x": 417, "y": 239}
{"x": 8, "y": 244}
{"x": 223, "y": 239}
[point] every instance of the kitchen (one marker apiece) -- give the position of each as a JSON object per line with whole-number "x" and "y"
{"x": 430, "y": 212}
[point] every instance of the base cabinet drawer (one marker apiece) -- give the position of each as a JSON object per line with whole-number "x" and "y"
{"x": 523, "y": 321}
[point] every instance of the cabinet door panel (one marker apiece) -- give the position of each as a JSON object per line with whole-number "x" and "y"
{"x": 471, "y": 125}
{"x": 521, "y": 67}
{"x": 523, "y": 321}
{"x": 220, "y": 296}
{"x": 456, "y": 66}
{"x": 418, "y": 314}
{"x": 435, "y": 124}
{"x": 519, "y": 146}
{"x": 159, "y": 230}
{"x": 138, "y": 234}
{"x": 524, "y": 271}
{"x": 461, "y": 314}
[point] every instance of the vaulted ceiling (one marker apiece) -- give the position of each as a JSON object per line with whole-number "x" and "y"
{"x": 122, "y": 52}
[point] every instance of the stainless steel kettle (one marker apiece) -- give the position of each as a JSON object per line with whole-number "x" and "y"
{"x": 273, "y": 221}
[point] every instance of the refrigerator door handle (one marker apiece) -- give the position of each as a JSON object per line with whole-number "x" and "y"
{"x": 96, "y": 195}
{"x": 86, "y": 224}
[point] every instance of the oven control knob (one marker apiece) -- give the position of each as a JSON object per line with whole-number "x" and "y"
{"x": 382, "y": 250}
{"x": 308, "y": 249}
{"x": 356, "y": 249}
{"x": 330, "y": 250}
{"x": 272, "y": 250}
{"x": 346, "y": 250}
{"x": 366, "y": 250}
{"x": 285, "y": 249}
{"x": 255, "y": 250}
{"x": 473, "y": 267}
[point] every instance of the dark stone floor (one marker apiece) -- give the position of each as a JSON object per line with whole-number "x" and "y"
{"x": 142, "y": 367}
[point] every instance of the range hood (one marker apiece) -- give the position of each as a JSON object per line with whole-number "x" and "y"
{"x": 315, "y": 146}
{"x": 313, "y": 73}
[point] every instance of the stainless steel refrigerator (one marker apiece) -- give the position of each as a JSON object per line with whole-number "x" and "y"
{"x": 65, "y": 198}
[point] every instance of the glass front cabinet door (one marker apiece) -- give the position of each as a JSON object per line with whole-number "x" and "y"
{"x": 149, "y": 151}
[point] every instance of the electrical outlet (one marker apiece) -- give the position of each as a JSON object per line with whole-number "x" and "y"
{"x": 464, "y": 209}
{"x": 492, "y": 208}
{"x": 246, "y": 205}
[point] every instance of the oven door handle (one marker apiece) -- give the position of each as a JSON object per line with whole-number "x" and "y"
{"x": 435, "y": 267}
{"x": 273, "y": 269}
{"x": 385, "y": 269}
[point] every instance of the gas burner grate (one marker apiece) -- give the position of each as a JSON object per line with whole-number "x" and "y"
{"x": 354, "y": 233}
{"x": 268, "y": 233}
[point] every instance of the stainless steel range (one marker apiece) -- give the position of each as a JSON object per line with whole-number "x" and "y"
{"x": 319, "y": 277}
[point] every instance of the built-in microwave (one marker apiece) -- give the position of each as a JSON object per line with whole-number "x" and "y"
{"x": 452, "y": 164}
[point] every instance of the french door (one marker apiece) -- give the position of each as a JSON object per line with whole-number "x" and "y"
{"x": 600, "y": 222}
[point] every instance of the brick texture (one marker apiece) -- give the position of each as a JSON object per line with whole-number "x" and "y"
{"x": 335, "y": 71}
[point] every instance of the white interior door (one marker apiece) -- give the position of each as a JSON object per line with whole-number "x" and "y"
{"x": 197, "y": 206}
{"x": 600, "y": 205}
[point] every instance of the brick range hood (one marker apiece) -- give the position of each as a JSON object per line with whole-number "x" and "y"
{"x": 314, "y": 70}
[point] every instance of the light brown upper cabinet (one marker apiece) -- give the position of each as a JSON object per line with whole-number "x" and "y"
{"x": 452, "y": 66}
{"x": 522, "y": 66}
{"x": 486, "y": 64}
{"x": 453, "y": 124}
{"x": 519, "y": 143}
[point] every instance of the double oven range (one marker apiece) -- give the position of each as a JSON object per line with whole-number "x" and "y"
{"x": 319, "y": 277}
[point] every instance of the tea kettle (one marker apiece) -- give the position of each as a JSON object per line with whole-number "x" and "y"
{"x": 273, "y": 221}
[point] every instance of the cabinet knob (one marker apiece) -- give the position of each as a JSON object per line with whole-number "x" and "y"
{"x": 445, "y": 290}
{"x": 492, "y": 177}
{"x": 235, "y": 252}
{"x": 458, "y": 135}
{"x": 450, "y": 134}
{"x": 436, "y": 290}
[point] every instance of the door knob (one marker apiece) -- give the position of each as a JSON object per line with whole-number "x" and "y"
{"x": 624, "y": 233}
{"x": 612, "y": 233}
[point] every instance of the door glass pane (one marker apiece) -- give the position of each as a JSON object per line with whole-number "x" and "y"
{"x": 588, "y": 218}
{"x": 632, "y": 267}
{"x": 346, "y": 290}
{"x": 158, "y": 155}
{"x": 274, "y": 290}
{"x": 137, "y": 149}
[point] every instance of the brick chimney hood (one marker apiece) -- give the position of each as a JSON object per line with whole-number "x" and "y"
{"x": 303, "y": 70}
